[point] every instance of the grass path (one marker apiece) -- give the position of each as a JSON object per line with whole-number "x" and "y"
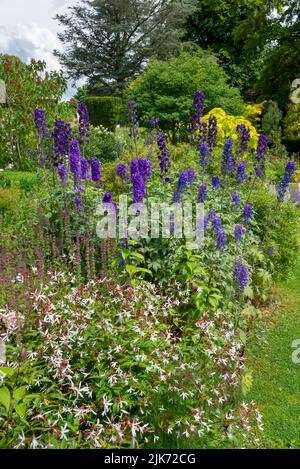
{"x": 276, "y": 379}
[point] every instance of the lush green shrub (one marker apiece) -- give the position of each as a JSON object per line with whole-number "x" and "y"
{"x": 278, "y": 227}
{"x": 104, "y": 145}
{"x": 166, "y": 89}
{"x": 104, "y": 110}
{"x": 8, "y": 199}
{"x": 271, "y": 126}
{"x": 28, "y": 87}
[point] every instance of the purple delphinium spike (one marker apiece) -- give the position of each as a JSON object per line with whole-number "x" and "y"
{"x": 75, "y": 160}
{"x": 241, "y": 172}
{"x": 221, "y": 239}
{"x": 83, "y": 123}
{"x": 107, "y": 197}
{"x": 241, "y": 275}
{"x": 205, "y": 154}
{"x": 40, "y": 122}
{"x": 138, "y": 187}
{"x": 145, "y": 168}
{"x": 215, "y": 182}
{"x": 121, "y": 170}
{"x": 244, "y": 138}
{"x": 212, "y": 135}
{"x": 163, "y": 155}
{"x": 84, "y": 165}
{"x": 63, "y": 174}
{"x": 260, "y": 157}
{"x": 235, "y": 198}
{"x": 96, "y": 170}
{"x": 238, "y": 233}
{"x": 215, "y": 220}
{"x": 285, "y": 181}
{"x": 227, "y": 159}
{"x": 202, "y": 193}
{"x": 154, "y": 121}
{"x": 62, "y": 135}
{"x": 176, "y": 196}
{"x": 186, "y": 178}
{"x": 247, "y": 213}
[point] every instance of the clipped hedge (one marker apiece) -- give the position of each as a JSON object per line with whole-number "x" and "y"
{"x": 104, "y": 110}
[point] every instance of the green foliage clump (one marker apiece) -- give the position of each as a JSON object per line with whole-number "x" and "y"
{"x": 8, "y": 199}
{"x": 104, "y": 145}
{"x": 104, "y": 110}
{"x": 166, "y": 88}
{"x": 28, "y": 87}
{"x": 278, "y": 228}
{"x": 271, "y": 126}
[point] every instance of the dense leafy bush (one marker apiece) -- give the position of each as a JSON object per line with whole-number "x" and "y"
{"x": 165, "y": 89}
{"x": 227, "y": 127}
{"x": 28, "y": 87}
{"x": 271, "y": 126}
{"x": 104, "y": 144}
{"x": 8, "y": 198}
{"x": 104, "y": 110}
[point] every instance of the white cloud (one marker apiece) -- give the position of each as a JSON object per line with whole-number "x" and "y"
{"x": 28, "y": 30}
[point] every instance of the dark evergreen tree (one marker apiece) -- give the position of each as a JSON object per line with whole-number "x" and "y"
{"x": 109, "y": 41}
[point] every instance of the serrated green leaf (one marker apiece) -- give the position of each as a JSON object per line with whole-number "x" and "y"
{"x": 5, "y": 398}
{"x": 19, "y": 393}
{"x": 20, "y": 409}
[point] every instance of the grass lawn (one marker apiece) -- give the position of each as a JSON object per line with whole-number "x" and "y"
{"x": 276, "y": 379}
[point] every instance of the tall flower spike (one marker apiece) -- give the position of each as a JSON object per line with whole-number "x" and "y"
{"x": 163, "y": 155}
{"x": 286, "y": 179}
{"x": 202, "y": 193}
{"x": 62, "y": 135}
{"x": 212, "y": 135}
{"x": 244, "y": 138}
{"x": 238, "y": 233}
{"x": 63, "y": 174}
{"x": 84, "y": 123}
{"x": 75, "y": 160}
{"x": 84, "y": 168}
{"x": 145, "y": 168}
{"x": 204, "y": 158}
{"x": 241, "y": 172}
{"x": 247, "y": 213}
{"x": 215, "y": 182}
{"x": 96, "y": 170}
{"x": 138, "y": 187}
{"x": 133, "y": 123}
{"x": 227, "y": 159}
{"x": 235, "y": 198}
{"x": 121, "y": 170}
{"x": 221, "y": 239}
{"x": 241, "y": 275}
{"x": 260, "y": 158}
{"x": 40, "y": 122}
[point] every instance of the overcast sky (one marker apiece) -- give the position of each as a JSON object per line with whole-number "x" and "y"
{"x": 27, "y": 29}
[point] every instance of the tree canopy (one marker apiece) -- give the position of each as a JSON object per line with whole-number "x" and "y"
{"x": 166, "y": 88}
{"x": 109, "y": 42}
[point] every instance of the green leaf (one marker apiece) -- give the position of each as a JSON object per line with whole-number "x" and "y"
{"x": 20, "y": 409}
{"x": 7, "y": 370}
{"x": 19, "y": 393}
{"x": 5, "y": 398}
